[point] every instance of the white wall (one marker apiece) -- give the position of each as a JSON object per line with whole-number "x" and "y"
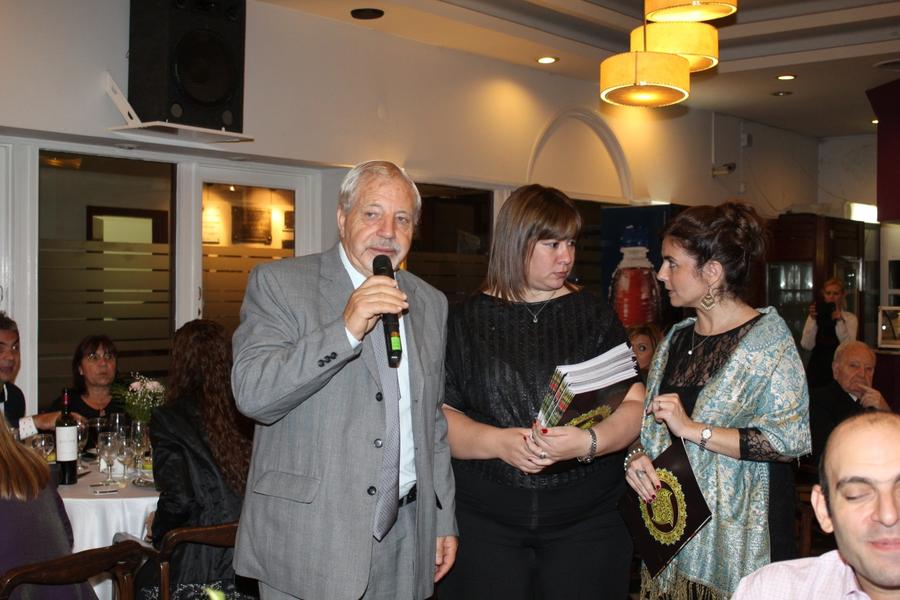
{"x": 847, "y": 170}
{"x": 331, "y": 93}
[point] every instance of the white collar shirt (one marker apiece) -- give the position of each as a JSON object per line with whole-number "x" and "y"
{"x": 825, "y": 577}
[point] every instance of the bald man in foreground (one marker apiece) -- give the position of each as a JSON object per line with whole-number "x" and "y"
{"x": 858, "y": 500}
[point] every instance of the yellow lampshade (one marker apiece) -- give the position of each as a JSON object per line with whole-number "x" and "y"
{"x": 644, "y": 79}
{"x": 688, "y": 10}
{"x": 697, "y": 42}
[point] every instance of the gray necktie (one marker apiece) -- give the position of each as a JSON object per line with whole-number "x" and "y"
{"x": 389, "y": 482}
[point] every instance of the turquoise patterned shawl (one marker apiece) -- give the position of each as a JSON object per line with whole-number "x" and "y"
{"x": 762, "y": 385}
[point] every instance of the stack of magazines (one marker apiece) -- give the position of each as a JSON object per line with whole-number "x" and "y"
{"x": 571, "y": 398}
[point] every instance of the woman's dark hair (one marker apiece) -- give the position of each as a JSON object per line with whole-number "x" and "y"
{"x": 86, "y": 347}
{"x": 731, "y": 233}
{"x": 532, "y": 213}
{"x": 201, "y": 371}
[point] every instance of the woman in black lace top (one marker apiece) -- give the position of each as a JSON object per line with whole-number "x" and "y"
{"x": 730, "y": 384}
{"x": 534, "y": 522}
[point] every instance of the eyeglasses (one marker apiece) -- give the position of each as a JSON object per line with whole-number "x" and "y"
{"x": 94, "y": 356}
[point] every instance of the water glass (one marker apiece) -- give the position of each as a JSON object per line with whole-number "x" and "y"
{"x": 117, "y": 423}
{"x": 83, "y": 432}
{"x": 140, "y": 441}
{"x": 43, "y": 443}
{"x": 108, "y": 448}
{"x": 95, "y": 427}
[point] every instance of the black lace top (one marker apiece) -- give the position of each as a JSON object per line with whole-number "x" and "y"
{"x": 499, "y": 362}
{"x": 693, "y": 360}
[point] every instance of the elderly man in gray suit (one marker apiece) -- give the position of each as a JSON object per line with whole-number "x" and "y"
{"x": 350, "y": 493}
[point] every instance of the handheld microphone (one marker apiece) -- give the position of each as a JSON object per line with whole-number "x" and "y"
{"x": 381, "y": 265}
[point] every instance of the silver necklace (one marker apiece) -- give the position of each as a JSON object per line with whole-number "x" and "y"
{"x": 693, "y": 347}
{"x": 534, "y": 314}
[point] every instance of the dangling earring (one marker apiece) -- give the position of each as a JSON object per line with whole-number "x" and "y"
{"x": 708, "y": 302}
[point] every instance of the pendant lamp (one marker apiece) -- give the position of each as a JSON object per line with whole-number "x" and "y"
{"x": 650, "y": 79}
{"x": 697, "y": 42}
{"x": 688, "y": 10}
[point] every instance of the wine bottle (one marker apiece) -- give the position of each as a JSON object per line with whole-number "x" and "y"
{"x": 66, "y": 444}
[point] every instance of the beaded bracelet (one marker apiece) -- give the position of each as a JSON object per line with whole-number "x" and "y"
{"x": 632, "y": 454}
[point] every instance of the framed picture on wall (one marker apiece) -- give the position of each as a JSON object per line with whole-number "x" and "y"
{"x": 288, "y": 220}
{"x": 250, "y": 225}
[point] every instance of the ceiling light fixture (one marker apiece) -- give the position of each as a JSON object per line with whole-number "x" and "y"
{"x": 874, "y": 121}
{"x": 688, "y": 10}
{"x": 696, "y": 42}
{"x": 650, "y": 79}
{"x": 547, "y": 60}
{"x": 782, "y": 93}
{"x": 366, "y": 14}
{"x": 786, "y": 77}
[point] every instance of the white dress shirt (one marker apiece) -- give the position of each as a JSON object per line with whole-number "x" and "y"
{"x": 825, "y": 577}
{"x": 407, "y": 451}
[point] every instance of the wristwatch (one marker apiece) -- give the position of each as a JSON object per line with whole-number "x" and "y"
{"x": 705, "y": 434}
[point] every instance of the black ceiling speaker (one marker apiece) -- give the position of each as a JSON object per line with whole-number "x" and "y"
{"x": 186, "y": 62}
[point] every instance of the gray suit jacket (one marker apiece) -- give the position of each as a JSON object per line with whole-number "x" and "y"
{"x": 306, "y": 525}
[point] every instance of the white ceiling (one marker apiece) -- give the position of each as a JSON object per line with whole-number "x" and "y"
{"x": 832, "y": 47}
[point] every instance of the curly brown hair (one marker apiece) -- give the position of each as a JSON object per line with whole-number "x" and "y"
{"x": 201, "y": 358}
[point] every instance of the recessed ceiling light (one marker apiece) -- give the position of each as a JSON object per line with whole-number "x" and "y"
{"x": 366, "y": 14}
{"x": 786, "y": 77}
{"x": 547, "y": 60}
{"x": 782, "y": 93}
{"x": 874, "y": 121}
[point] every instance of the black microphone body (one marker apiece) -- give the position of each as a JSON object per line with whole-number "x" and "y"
{"x": 381, "y": 265}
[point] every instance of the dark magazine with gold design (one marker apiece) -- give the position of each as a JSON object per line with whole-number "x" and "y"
{"x": 661, "y": 529}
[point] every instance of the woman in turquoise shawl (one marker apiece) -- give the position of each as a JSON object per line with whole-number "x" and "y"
{"x": 730, "y": 383}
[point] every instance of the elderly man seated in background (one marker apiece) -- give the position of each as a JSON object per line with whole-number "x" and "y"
{"x": 858, "y": 500}
{"x": 849, "y": 394}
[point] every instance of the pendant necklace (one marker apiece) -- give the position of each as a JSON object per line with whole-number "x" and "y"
{"x": 700, "y": 343}
{"x": 534, "y": 314}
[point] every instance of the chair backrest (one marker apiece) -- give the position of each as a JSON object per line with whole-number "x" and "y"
{"x": 221, "y": 536}
{"x": 121, "y": 559}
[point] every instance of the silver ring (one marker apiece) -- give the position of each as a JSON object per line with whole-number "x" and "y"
{"x": 640, "y": 473}
{"x": 543, "y": 454}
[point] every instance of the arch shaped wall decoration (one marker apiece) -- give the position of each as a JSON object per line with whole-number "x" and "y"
{"x": 598, "y": 126}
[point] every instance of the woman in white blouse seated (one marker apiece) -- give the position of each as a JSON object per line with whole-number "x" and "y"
{"x": 823, "y": 332}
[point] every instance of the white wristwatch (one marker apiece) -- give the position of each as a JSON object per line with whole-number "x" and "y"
{"x": 705, "y": 434}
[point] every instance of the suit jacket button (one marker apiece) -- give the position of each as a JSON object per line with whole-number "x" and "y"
{"x": 378, "y": 397}
{"x": 326, "y": 358}
{"x": 321, "y": 363}
{"x": 333, "y": 355}
{"x": 372, "y": 490}
{"x": 378, "y": 443}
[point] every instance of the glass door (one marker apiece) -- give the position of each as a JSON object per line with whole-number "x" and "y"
{"x": 789, "y": 288}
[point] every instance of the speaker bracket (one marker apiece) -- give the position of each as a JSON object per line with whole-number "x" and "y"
{"x": 162, "y": 129}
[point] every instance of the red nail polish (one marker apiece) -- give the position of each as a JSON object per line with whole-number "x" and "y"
{"x": 543, "y": 430}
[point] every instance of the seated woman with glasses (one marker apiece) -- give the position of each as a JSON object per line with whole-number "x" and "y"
{"x": 94, "y": 370}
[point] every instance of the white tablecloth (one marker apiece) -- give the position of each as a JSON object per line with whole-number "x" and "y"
{"x": 97, "y": 518}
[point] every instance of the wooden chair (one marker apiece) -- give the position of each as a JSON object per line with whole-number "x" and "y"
{"x": 121, "y": 559}
{"x": 221, "y": 536}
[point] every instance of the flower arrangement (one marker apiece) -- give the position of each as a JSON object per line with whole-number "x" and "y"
{"x": 143, "y": 395}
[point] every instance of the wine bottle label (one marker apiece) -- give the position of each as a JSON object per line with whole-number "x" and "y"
{"x": 66, "y": 444}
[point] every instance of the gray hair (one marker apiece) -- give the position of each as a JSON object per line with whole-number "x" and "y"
{"x": 844, "y": 346}
{"x": 363, "y": 172}
{"x": 7, "y": 324}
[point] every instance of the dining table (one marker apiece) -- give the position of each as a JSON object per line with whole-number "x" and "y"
{"x": 97, "y": 512}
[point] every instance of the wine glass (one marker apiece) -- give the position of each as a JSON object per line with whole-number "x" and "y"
{"x": 117, "y": 423}
{"x": 125, "y": 455}
{"x": 108, "y": 447}
{"x": 43, "y": 443}
{"x": 83, "y": 435}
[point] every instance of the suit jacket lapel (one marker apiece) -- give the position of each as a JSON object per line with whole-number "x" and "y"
{"x": 335, "y": 290}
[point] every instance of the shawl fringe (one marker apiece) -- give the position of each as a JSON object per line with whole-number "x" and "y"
{"x": 678, "y": 587}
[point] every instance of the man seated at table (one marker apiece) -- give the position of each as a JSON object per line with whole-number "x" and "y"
{"x": 11, "y": 397}
{"x": 858, "y": 500}
{"x": 849, "y": 394}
